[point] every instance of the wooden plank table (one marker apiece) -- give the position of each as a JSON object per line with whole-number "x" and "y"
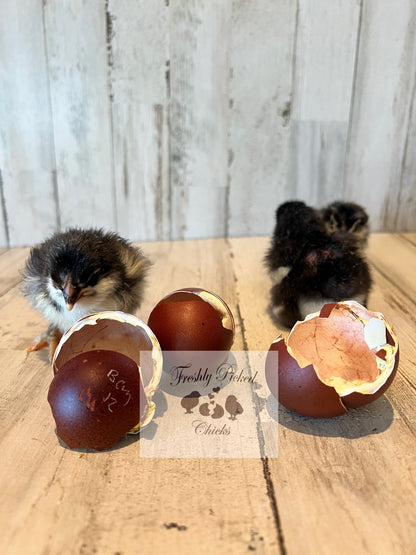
{"x": 343, "y": 485}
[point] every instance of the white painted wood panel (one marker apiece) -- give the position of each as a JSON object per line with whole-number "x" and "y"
{"x": 27, "y": 162}
{"x": 138, "y": 42}
{"x": 141, "y": 170}
{"x": 261, "y": 79}
{"x": 78, "y": 74}
{"x": 326, "y": 39}
{"x": 199, "y": 36}
{"x": 381, "y": 116}
{"x": 403, "y": 212}
{"x": 177, "y": 119}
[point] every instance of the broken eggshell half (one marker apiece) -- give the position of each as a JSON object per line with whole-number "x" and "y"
{"x": 96, "y": 398}
{"x": 121, "y": 358}
{"x": 195, "y": 327}
{"x": 342, "y": 357}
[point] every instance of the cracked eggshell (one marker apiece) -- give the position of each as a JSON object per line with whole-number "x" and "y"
{"x": 192, "y": 320}
{"x": 343, "y": 357}
{"x": 122, "y": 333}
{"x": 96, "y": 398}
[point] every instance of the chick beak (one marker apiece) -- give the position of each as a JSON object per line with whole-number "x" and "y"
{"x": 70, "y": 294}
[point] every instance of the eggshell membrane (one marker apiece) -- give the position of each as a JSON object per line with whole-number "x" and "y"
{"x": 120, "y": 332}
{"x": 335, "y": 346}
{"x": 191, "y": 320}
{"x": 355, "y": 400}
{"x": 96, "y": 398}
{"x": 326, "y": 365}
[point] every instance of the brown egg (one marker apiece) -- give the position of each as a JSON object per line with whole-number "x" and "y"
{"x": 343, "y": 357}
{"x": 191, "y": 321}
{"x": 96, "y": 398}
{"x": 88, "y": 356}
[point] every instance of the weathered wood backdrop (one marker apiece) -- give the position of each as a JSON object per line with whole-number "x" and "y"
{"x": 181, "y": 119}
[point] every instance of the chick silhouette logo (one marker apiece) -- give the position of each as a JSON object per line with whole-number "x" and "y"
{"x": 233, "y": 407}
{"x": 210, "y": 407}
{"x": 210, "y": 410}
{"x": 190, "y": 401}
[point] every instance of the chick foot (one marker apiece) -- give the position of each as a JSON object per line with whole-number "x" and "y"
{"x": 50, "y": 338}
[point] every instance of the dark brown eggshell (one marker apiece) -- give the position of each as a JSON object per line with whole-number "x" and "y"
{"x": 185, "y": 322}
{"x": 299, "y": 389}
{"x": 96, "y": 398}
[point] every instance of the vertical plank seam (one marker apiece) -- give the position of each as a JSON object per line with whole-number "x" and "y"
{"x": 55, "y": 184}
{"x": 227, "y": 205}
{"x": 158, "y": 197}
{"x": 404, "y": 158}
{"x": 271, "y": 494}
{"x": 109, "y": 47}
{"x": 4, "y": 211}
{"x": 230, "y": 157}
{"x": 352, "y": 101}
{"x": 169, "y": 125}
{"x": 227, "y": 212}
{"x": 294, "y": 60}
{"x": 291, "y": 104}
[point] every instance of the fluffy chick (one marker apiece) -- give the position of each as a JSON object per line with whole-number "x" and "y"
{"x": 81, "y": 271}
{"x": 345, "y": 221}
{"x": 295, "y": 224}
{"x": 310, "y": 266}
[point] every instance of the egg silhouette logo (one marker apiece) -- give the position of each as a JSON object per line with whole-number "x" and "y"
{"x": 212, "y": 409}
{"x": 209, "y": 407}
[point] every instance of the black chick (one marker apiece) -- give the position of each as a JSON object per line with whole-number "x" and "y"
{"x": 310, "y": 267}
{"x": 81, "y": 271}
{"x": 295, "y": 223}
{"x": 347, "y": 220}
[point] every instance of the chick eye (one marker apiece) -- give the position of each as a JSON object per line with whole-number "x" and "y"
{"x": 355, "y": 225}
{"x": 57, "y": 284}
{"x": 91, "y": 280}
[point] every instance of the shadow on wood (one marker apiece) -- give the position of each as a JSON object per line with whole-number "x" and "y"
{"x": 374, "y": 418}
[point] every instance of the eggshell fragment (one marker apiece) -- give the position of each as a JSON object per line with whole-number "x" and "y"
{"x": 121, "y": 333}
{"x": 193, "y": 320}
{"x": 343, "y": 357}
{"x": 96, "y": 398}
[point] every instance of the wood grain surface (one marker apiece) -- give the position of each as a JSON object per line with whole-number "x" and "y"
{"x": 343, "y": 485}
